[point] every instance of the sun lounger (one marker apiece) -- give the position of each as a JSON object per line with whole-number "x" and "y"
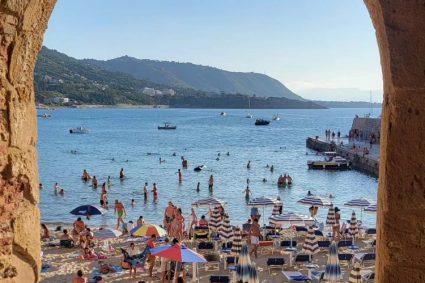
{"x": 368, "y": 276}
{"x": 371, "y": 231}
{"x": 317, "y": 276}
{"x": 318, "y": 233}
{"x": 347, "y": 258}
{"x": 324, "y": 245}
{"x": 303, "y": 258}
{"x": 230, "y": 261}
{"x": 266, "y": 247}
{"x": 213, "y": 262}
{"x": 365, "y": 258}
{"x": 278, "y": 262}
{"x": 205, "y": 247}
{"x": 287, "y": 244}
{"x": 295, "y": 276}
{"x": 219, "y": 279}
{"x": 344, "y": 243}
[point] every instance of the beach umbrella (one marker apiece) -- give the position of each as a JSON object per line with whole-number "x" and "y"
{"x": 245, "y": 271}
{"x": 316, "y": 201}
{"x": 371, "y": 208}
{"x": 310, "y": 245}
{"x": 103, "y": 234}
{"x": 147, "y": 230}
{"x": 214, "y": 222}
{"x": 208, "y": 202}
{"x": 353, "y": 230}
{"x": 355, "y": 276}
{"x": 361, "y": 203}
{"x": 226, "y": 232}
{"x": 237, "y": 242}
{"x": 290, "y": 218}
{"x": 330, "y": 219}
{"x": 88, "y": 210}
{"x": 179, "y": 253}
{"x": 332, "y": 269}
{"x": 264, "y": 202}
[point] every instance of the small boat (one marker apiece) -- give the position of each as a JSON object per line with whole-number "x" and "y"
{"x": 44, "y": 116}
{"x": 79, "y": 130}
{"x": 223, "y": 114}
{"x": 199, "y": 168}
{"x": 262, "y": 122}
{"x": 249, "y": 116}
{"x": 276, "y": 117}
{"x": 332, "y": 163}
{"x": 167, "y": 126}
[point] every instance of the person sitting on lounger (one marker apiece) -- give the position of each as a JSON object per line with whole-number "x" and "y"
{"x": 203, "y": 223}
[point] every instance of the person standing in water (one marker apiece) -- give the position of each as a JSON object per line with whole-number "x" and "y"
{"x": 211, "y": 183}
{"x": 155, "y": 192}
{"x": 122, "y": 176}
{"x": 108, "y": 182}
{"x": 180, "y": 176}
{"x": 248, "y": 166}
{"x": 198, "y": 189}
{"x": 271, "y": 168}
{"x": 145, "y": 191}
{"x": 94, "y": 182}
{"x": 120, "y": 211}
{"x": 247, "y": 193}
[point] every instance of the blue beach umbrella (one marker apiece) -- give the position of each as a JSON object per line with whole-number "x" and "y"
{"x": 245, "y": 271}
{"x": 87, "y": 209}
{"x": 178, "y": 252}
{"x": 333, "y": 269}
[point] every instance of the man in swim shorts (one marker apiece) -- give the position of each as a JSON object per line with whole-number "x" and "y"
{"x": 254, "y": 234}
{"x": 168, "y": 216}
{"x": 120, "y": 211}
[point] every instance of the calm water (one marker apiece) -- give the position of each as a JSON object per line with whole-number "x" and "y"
{"x": 129, "y": 134}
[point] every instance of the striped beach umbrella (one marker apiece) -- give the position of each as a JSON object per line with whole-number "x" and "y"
{"x": 353, "y": 230}
{"x": 245, "y": 270}
{"x": 330, "y": 219}
{"x": 310, "y": 245}
{"x": 237, "y": 242}
{"x": 208, "y": 202}
{"x": 226, "y": 231}
{"x": 355, "y": 276}
{"x": 361, "y": 203}
{"x": 290, "y": 218}
{"x": 214, "y": 222}
{"x": 332, "y": 269}
{"x": 264, "y": 202}
{"x": 147, "y": 230}
{"x": 103, "y": 234}
{"x": 371, "y": 208}
{"x": 316, "y": 201}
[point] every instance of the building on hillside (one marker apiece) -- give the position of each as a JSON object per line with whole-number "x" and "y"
{"x": 169, "y": 91}
{"x": 149, "y": 91}
{"x": 57, "y": 100}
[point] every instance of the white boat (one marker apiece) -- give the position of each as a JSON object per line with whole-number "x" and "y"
{"x": 330, "y": 163}
{"x": 276, "y": 117}
{"x": 79, "y": 130}
{"x": 249, "y": 115}
{"x": 45, "y": 116}
{"x": 223, "y": 113}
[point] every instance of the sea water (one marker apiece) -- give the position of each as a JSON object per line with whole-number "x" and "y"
{"x": 129, "y": 139}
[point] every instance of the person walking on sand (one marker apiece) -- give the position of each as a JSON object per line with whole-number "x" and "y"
{"x": 254, "y": 233}
{"x": 120, "y": 211}
{"x": 211, "y": 183}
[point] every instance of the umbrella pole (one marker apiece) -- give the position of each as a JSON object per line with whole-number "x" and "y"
{"x": 175, "y": 274}
{"x": 194, "y": 273}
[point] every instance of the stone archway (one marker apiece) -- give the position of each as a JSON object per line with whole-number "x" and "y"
{"x": 400, "y": 29}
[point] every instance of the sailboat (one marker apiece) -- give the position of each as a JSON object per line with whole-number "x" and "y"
{"x": 249, "y": 115}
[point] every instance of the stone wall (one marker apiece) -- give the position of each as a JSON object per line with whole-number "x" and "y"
{"x": 22, "y": 25}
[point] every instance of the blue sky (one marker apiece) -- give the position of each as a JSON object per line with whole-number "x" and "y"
{"x": 318, "y": 48}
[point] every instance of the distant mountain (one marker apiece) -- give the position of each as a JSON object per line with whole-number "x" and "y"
{"x": 187, "y": 75}
{"x": 347, "y": 104}
{"x": 58, "y": 75}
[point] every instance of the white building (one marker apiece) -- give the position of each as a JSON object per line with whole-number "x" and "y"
{"x": 58, "y": 100}
{"x": 168, "y": 92}
{"x": 149, "y": 91}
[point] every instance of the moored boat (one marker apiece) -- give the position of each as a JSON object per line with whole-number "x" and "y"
{"x": 333, "y": 163}
{"x": 276, "y": 117}
{"x": 167, "y": 126}
{"x": 223, "y": 114}
{"x": 262, "y": 122}
{"x": 79, "y": 130}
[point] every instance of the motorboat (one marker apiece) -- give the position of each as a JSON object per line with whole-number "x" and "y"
{"x": 249, "y": 115}
{"x": 199, "y": 168}
{"x": 262, "y": 122}
{"x": 167, "y": 126}
{"x": 79, "y": 130}
{"x": 223, "y": 114}
{"x": 276, "y": 117}
{"x": 331, "y": 163}
{"x": 44, "y": 116}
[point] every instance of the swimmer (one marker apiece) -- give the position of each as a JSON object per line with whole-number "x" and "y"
{"x": 309, "y": 193}
{"x": 133, "y": 202}
{"x": 217, "y": 159}
{"x": 271, "y": 168}
{"x": 331, "y": 196}
{"x": 198, "y": 189}
{"x": 267, "y": 166}
{"x": 145, "y": 191}
{"x": 247, "y": 181}
{"x": 40, "y": 186}
{"x": 57, "y": 188}
{"x": 264, "y": 180}
{"x": 218, "y": 154}
{"x": 112, "y": 159}
{"x": 62, "y": 192}
{"x": 228, "y": 153}
{"x": 122, "y": 176}
{"x": 174, "y": 154}
{"x": 247, "y": 192}
{"x": 108, "y": 182}
{"x": 248, "y": 166}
